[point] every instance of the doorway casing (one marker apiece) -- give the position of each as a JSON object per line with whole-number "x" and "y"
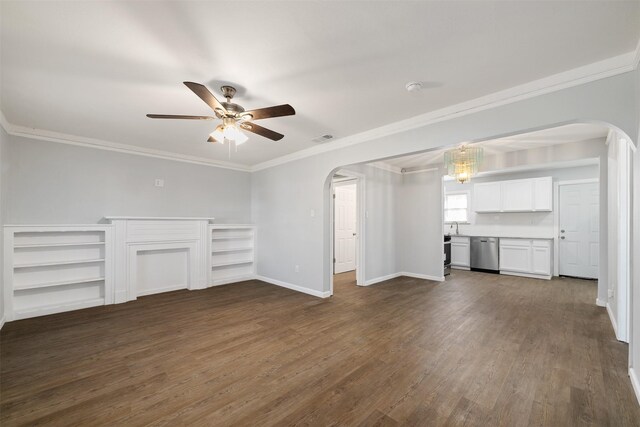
{"x": 360, "y": 182}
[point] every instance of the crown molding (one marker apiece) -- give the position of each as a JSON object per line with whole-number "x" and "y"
{"x": 386, "y": 167}
{"x": 577, "y": 76}
{"x": 63, "y": 138}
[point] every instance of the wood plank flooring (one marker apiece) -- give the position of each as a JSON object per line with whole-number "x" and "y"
{"x": 477, "y": 350}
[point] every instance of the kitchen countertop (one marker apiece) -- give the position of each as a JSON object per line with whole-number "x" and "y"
{"x": 503, "y": 237}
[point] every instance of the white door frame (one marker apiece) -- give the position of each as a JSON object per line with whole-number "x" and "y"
{"x": 556, "y": 221}
{"x": 360, "y": 227}
{"x": 346, "y": 182}
{"x": 623, "y": 297}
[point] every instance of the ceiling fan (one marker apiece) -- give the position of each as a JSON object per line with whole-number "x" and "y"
{"x": 233, "y": 116}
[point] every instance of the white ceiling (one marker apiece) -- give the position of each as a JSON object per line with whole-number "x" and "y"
{"x": 525, "y": 141}
{"x": 94, "y": 69}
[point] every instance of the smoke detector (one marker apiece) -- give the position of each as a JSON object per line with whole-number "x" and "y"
{"x": 413, "y": 86}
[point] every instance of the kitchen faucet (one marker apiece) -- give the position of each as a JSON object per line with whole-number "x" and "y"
{"x": 451, "y": 226}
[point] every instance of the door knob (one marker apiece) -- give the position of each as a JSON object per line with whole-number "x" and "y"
{"x": 354, "y": 234}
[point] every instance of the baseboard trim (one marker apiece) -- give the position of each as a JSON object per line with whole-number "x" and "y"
{"x": 613, "y": 320}
{"x": 423, "y": 276}
{"x": 529, "y": 275}
{"x": 600, "y": 303}
{"x": 460, "y": 267}
{"x": 120, "y": 297}
{"x": 293, "y": 287}
{"x": 381, "y": 279}
{"x": 161, "y": 290}
{"x": 231, "y": 280}
{"x": 403, "y": 273}
{"x": 635, "y": 383}
{"x": 2, "y": 320}
{"x": 54, "y": 309}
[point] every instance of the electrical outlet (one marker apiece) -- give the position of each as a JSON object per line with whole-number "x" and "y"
{"x": 296, "y": 269}
{"x": 312, "y": 213}
{"x": 610, "y": 293}
{"x": 159, "y": 182}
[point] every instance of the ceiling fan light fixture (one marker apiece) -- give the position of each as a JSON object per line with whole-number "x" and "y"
{"x": 234, "y": 117}
{"x": 218, "y": 135}
{"x": 241, "y": 138}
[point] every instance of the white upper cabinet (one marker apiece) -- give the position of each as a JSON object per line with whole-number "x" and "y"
{"x": 543, "y": 194}
{"x": 487, "y": 197}
{"x": 518, "y": 195}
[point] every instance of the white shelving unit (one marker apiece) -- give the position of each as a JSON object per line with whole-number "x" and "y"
{"x": 232, "y": 256}
{"x": 55, "y": 268}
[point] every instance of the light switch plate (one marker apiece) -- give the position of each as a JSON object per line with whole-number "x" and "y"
{"x": 159, "y": 182}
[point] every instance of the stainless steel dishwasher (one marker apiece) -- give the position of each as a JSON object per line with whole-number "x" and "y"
{"x": 485, "y": 254}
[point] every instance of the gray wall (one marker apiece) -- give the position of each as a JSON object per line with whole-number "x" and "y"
{"x": 380, "y": 224}
{"x": 285, "y": 194}
{"x": 419, "y": 224}
{"x": 3, "y": 184}
{"x": 51, "y": 183}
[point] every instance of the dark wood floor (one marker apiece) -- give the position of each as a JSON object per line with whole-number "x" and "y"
{"x": 479, "y": 349}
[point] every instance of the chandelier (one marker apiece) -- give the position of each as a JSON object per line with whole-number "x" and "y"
{"x": 463, "y": 162}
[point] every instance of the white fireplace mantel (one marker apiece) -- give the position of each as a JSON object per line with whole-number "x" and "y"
{"x": 157, "y": 218}
{"x": 134, "y": 235}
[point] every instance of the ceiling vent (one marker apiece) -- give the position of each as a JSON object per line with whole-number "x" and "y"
{"x": 322, "y": 138}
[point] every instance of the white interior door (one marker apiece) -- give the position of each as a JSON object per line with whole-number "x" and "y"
{"x": 579, "y": 230}
{"x": 345, "y": 223}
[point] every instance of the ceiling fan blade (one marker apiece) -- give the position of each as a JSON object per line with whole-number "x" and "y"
{"x": 204, "y": 94}
{"x": 212, "y": 139}
{"x": 172, "y": 116}
{"x": 276, "y": 111}
{"x": 267, "y": 133}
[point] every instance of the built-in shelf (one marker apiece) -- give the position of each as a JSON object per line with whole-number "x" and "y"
{"x": 55, "y": 263}
{"x": 58, "y": 283}
{"x": 217, "y": 251}
{"x": 232, "y": 253}
{"x": 54, "y": 268}
{"x": 231, "y": 237}
{"x": 57, "y": 245}
{"x": 225, "y": 264}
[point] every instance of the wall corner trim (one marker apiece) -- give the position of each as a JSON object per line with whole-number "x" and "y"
{"x": 635, "y": 382}
{"x": 600, "y": 303}
{"x": 405, "y": 274}
{"x": 422, "y": 276}
{"x": 313, "y": 292}
{"x": 381, "y": 279}
{"x": 613, "y": 320}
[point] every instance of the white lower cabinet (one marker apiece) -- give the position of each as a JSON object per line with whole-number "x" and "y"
{"x": 460, "y": 251}
{"x": 515, "y": 255}
{"x": 526, "y": 257}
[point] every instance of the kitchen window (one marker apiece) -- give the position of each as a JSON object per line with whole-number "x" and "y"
{"x": 456, "y": 207}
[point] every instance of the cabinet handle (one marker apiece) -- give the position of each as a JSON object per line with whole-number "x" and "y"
{"x": 562, "y": 237}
